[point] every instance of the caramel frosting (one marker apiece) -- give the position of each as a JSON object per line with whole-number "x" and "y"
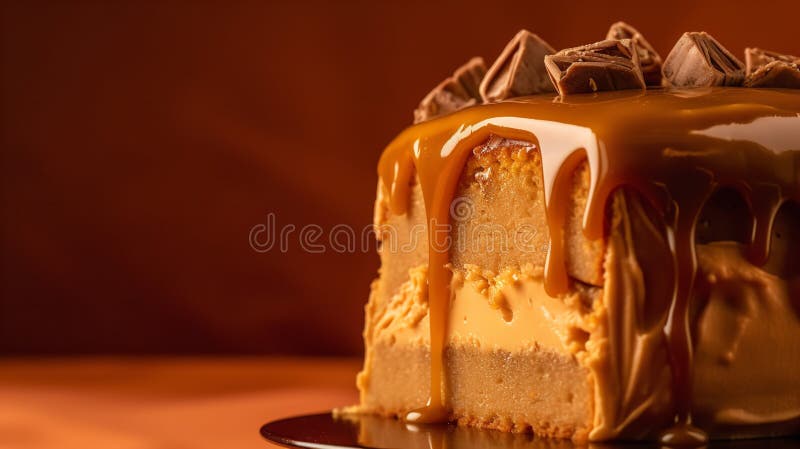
{"x": 671, "y": 148}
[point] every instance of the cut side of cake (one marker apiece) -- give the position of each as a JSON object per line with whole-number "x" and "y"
{"x": 505, "y": 346}
{"x": 593, "y": 267}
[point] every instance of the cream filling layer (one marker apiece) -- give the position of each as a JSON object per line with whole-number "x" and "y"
{"x": 509, "y": 311}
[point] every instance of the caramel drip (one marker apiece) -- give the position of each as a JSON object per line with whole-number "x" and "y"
{"x": 765, "y": 200}
{"x": 674, "y": 147}
{"x": 556, "y": 279}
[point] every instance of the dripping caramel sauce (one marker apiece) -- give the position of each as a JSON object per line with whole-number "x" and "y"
{"x": 675, "y": 147}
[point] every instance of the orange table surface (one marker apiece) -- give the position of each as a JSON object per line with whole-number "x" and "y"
{"x": 164, "y": 403}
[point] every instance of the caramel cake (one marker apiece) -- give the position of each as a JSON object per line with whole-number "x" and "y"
{"x": 594, "y": 244}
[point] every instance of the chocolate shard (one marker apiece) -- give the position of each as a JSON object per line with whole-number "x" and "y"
{"x": 770, "y": 69}
{"x": 454, "y": 93}
{"x": 519, "y": 70}
{"x": 649, "y": 59}
{"x": 605, "y": 65}
{"x": 698, "y": 60}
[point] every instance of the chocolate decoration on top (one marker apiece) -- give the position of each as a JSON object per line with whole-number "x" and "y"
{"x": 698, "y": 60}
{"x": 519, "y": 70}
{"x": 456, "y": 92}
{"x": 771, "y": 69}
{"x": 605, "y": 65}
{"x": 649, "y": 59}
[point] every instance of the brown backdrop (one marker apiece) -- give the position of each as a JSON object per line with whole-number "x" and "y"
{"x": 141, "y": 142}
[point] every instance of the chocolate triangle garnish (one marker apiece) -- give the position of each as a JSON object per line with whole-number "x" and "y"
{"x": 649, "y": 59}
{"x": 519, "y": 70}
{"x": 770, "y": 69}
{"x": 454, "y": 93}
{"x": 698, "y": 60}
{"x": 606, "y": 65}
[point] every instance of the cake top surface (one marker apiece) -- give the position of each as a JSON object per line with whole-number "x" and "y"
{"x": 615, "y": 110}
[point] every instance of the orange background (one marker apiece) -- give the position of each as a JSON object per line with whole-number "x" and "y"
{"x": 141, "y": 142}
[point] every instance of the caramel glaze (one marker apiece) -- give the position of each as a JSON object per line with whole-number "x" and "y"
{"x": 674, "y": 147}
